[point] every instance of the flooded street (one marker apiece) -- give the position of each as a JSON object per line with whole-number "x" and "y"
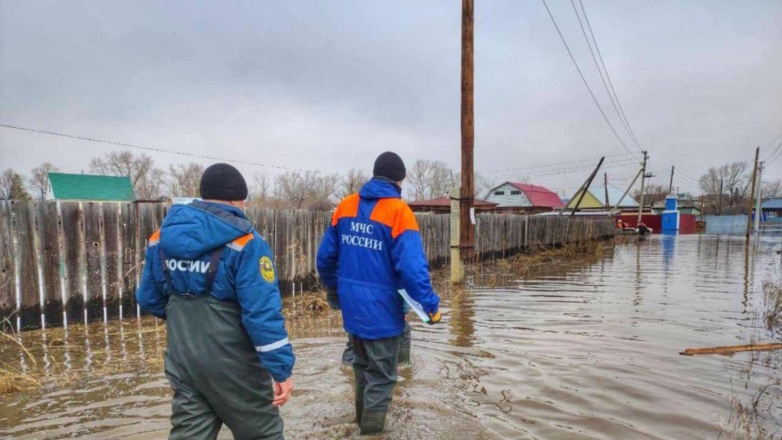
{"x": 577, "y": 350}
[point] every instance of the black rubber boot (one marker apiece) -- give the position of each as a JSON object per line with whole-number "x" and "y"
{"x": 373, "y": 422}
{"x": 359, "y": 397}
{"x": 347, "y": 355}
{"x": 404, "y": 345}
{"x": 404, "y": 355}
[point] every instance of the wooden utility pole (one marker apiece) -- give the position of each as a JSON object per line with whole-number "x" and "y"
{"x": 643, "y": 188}
{"x": 629, "y": 187}
{"x": 467, "y": 232}
{"x": 585, "y": 186}
{"x": 670, "y": 185}
{"x": 758, "y": 203}
{"x": 752, "y": 196}
{"x": 605, "y": 183}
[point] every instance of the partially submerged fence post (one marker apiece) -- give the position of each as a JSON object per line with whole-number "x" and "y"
{"x": 7, "y": 263}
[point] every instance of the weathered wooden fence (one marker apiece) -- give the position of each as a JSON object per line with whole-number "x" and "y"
{"x": 69, "y": 262}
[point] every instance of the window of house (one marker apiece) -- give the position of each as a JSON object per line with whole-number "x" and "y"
{"x": 499, "y": 193}
{"x": 515, "y": 193}
{"x": 771, "y": 214}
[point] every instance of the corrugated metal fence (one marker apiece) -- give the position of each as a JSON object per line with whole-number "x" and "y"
{"x": 66, "y": 262}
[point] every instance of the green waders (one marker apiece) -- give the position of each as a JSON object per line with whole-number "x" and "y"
{"x": 404, "y": 348}
{"x": 375, "y": 366}
{"x": 215, "y": 371}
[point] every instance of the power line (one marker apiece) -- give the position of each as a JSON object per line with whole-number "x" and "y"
{"x": 686, "y": 177}
{"x": 573, "y": 169}
{"x": 584, "y": 79}
{"x": 775, "y": 157}
{"x": 578, "y": 167}
{"x": 549, "y": 165}
{"x": 158, "y": 150}
{"x": 620, "y": 111}
{"x": 771, "y": 143}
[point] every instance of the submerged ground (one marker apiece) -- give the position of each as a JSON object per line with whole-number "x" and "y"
{"x": 565, "y": 349}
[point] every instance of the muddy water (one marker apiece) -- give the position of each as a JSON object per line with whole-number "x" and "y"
{"x": 581, "y": 350}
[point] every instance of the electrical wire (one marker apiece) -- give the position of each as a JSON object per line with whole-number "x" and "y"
{"x": 686, "y": 177}
{"x": 574, "y": 169}
{"x": 778, "y": 147}
{"x": 158, "y": 150}
{"x": 586, "y": 84}
{"x": 570, "y": 168}
{"x": 551, "y": 164}
{"x": 620, "y": 110}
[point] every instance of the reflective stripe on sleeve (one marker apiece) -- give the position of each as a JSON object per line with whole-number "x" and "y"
{"x": 273, "y": 346}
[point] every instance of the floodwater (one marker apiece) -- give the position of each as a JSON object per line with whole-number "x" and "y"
{"x": 577, "y": 350}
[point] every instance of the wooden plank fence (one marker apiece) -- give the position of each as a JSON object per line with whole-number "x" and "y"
{"x": 77, "y": 262}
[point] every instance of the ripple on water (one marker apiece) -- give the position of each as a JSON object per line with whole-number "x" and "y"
{"x": 587, "y": 351}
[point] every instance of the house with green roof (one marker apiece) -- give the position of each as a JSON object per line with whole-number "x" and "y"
{"x": 90, "y": 188}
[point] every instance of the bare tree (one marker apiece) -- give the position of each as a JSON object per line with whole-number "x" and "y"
{"x": 735, "y": 181}
{"x": 185, "y": 180}
{"x": 772, "y": 189}
{"x": 39, "y": 181}
{"x": 653, "y": 192}
{"x": 418, "y": 178}
{"x": 289, "y": 187}
{"x": 322, "y": 186}
{"x": 147, "y": 180}
{"x": 352, "y": 182}
{"x": 6, "y": 183}
{"x": 294, "y": 189}
{"x": 482, "y": 186}
{"x": 441, "y": 179}
{"x": 432, "y": 178}
{"x": 260, "y": 191}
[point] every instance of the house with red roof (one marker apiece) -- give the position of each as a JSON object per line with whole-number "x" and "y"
{"x": 524, "y": 197}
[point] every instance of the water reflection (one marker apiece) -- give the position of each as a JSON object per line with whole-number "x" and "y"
{"x": 569, "y": 350}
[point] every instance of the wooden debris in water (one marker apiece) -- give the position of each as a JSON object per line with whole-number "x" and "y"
{"x": 732, "y": 349}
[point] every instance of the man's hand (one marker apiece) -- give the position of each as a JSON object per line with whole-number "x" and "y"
{"x": 434, "y": 318}
{"x": 282, "y": 392}
{"x": 332, "y": 298}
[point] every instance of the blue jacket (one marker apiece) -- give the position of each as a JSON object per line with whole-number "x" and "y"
{"x": 245, "y": 274}
{"x": 371, "y": 250}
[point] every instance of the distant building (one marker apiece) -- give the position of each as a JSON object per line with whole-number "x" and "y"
{"x": 90, "y": 188}
{"x": 443, "y": 204}
{"x": 595, "y": 199}
{"x": 772, "y": 210}
{"x": 523, "y": 197}
{"x": 684, "y": 205}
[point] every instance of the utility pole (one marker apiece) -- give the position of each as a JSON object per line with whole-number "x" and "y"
{"x": 670, "y": 185}
{"x": 586, "y": 186}
{"x": 629, "y": 187}
{"x": 752, "y": 196}
{"x": 719, "y": 212}
{"x": 758, "y": 210}
{"x": 467, "y": 228}
{"x": 643, "y": 188}
{"x": 605, "y": 182}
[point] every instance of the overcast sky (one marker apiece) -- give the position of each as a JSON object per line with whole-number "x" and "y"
{"x": 330, "y": 85}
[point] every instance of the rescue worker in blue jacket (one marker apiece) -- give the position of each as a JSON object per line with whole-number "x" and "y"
{"x": 210, "y": 275}
{"x": 371, "y": 250}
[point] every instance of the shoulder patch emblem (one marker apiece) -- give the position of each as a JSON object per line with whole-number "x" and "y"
{"x": 267, "y": 269}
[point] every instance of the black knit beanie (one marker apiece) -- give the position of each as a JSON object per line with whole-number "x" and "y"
{"x": 390, "y": 166}
{"x": 223, "y": 182}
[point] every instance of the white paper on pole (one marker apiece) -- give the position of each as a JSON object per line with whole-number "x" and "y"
{"x": 472, "y": 215}
{"x": 414, "y": 305}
